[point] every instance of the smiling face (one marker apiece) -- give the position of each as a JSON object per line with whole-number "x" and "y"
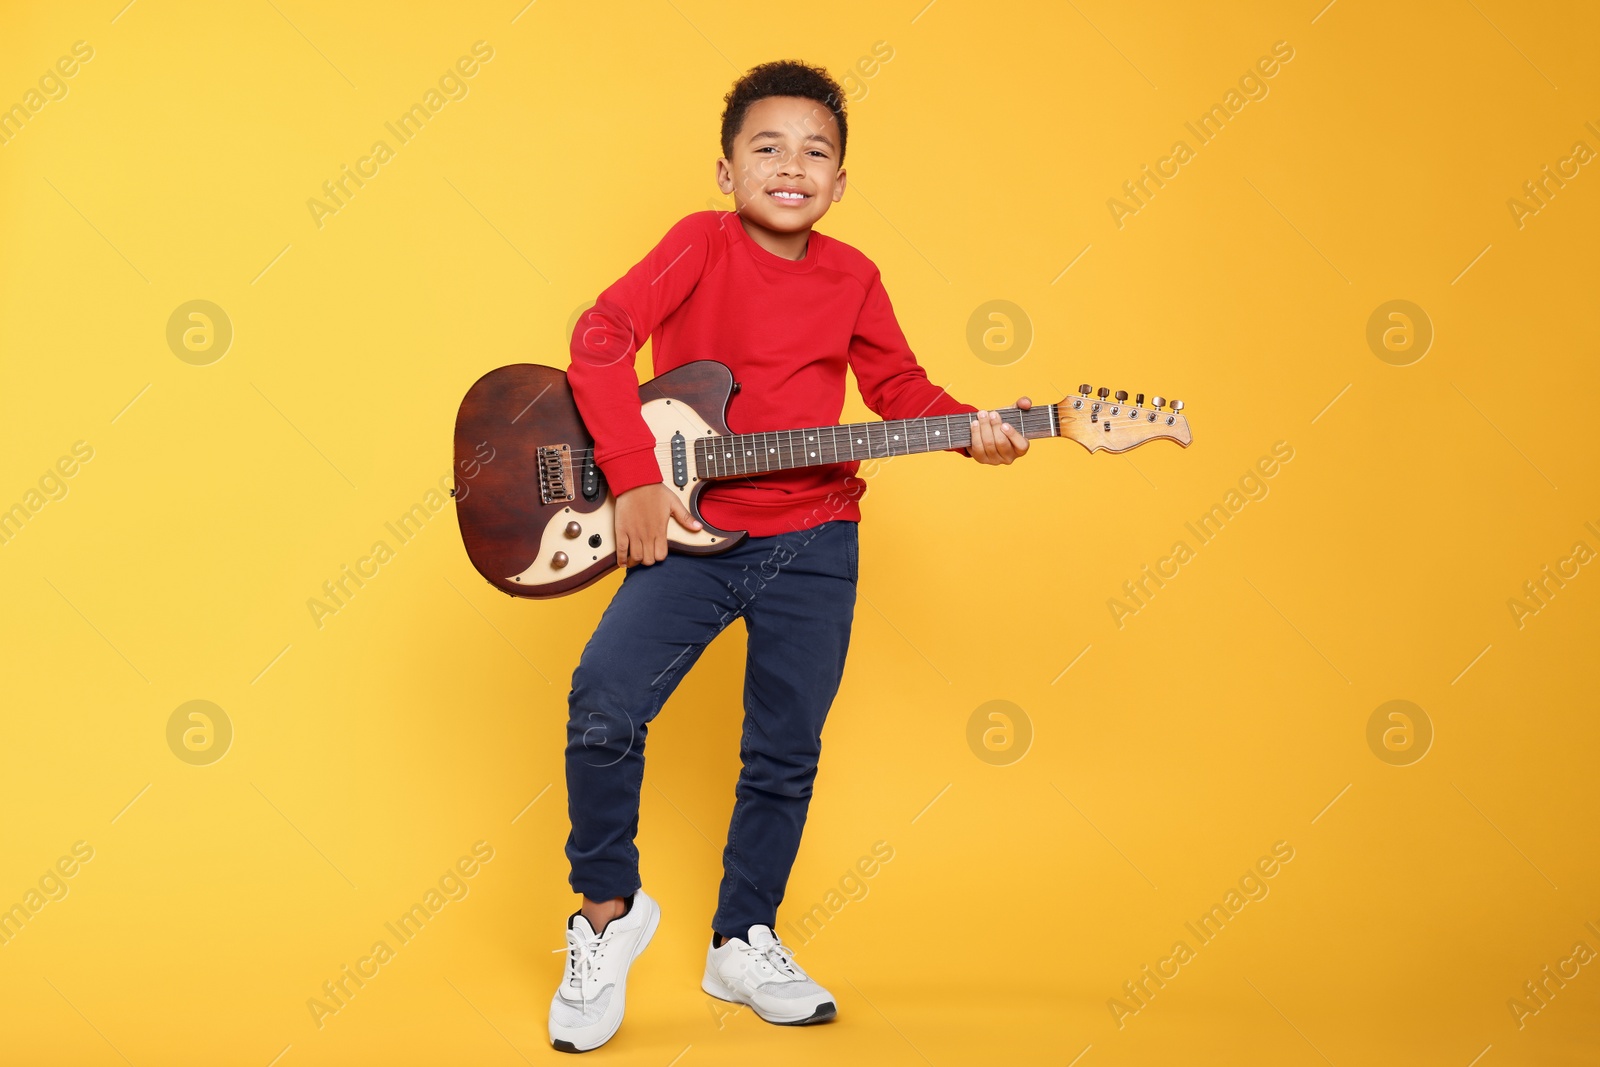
{"x": 785, "y": 172}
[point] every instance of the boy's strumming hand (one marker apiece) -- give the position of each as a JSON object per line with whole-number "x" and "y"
{"x": 642, "y": 514}
{"x": 997, "y": 441}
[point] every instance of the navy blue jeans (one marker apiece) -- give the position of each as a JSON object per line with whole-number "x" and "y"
{"x": 796, "y": 593}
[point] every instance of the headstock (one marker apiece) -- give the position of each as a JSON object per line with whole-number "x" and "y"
{"x": 1116, "y": 423}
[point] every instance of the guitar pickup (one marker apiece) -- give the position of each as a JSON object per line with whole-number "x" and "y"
{"x": 593, "y": 485}
{"x": 680, "y": 460}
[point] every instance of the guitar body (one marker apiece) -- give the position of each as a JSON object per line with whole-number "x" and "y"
{"x": 536, "y": 516}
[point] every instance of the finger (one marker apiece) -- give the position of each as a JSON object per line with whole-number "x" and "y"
{"x": 622, "y": 549}
{"x": 681, "y": 513}
{"x": 1023, "y": 403}
{"x": 1017, "y": 441}
{"x": 980, "y": 442}
{"x": 1003, "y": 449}
{"x": 1002, "y": 440}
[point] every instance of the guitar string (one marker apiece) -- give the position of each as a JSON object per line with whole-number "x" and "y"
{"x": 1049, "y": 429}
{"x": 966, "y": 425}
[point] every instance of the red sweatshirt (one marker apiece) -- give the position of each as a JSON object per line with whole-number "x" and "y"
{"x": 786, "y": 328}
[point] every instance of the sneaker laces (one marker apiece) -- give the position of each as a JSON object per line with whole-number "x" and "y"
{"x": 780, "y": 958}
{"x": 583, "y": 954}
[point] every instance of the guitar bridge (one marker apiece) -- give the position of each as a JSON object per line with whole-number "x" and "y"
{"x": 555, "y": 474}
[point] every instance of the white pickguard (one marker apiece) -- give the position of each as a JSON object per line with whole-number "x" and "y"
{"x": 665, "y": 418}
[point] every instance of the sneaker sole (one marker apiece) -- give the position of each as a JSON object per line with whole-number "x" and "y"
{"x": 714, "y": 986}
{"x": 563, "y": 1045}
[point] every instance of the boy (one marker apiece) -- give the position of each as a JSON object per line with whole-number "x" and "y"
{"x": 787, "y": 309}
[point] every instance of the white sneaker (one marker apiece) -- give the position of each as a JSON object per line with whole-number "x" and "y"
{"x": 587, "y": 1007}
{"x": 761, "y": 972}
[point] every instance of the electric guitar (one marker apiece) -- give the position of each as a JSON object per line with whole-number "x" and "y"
{"x": 538, "y": 520}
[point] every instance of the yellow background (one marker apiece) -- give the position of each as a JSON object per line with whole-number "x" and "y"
{"x": 1228, "y": 714}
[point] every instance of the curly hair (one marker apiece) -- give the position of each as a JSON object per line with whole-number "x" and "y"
{"x": 784, "y": 77}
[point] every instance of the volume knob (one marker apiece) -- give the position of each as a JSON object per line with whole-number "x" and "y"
{"x": 558, "y": 560}
{"x": 573, "y": 529}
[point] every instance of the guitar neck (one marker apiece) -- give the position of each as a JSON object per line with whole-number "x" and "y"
{"x": 744, "y": 454}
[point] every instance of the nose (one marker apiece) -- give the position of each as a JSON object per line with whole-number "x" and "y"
{"x": 789, "y": 165}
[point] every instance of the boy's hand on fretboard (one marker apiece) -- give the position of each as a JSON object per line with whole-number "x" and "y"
{"x": 997, "y": 441}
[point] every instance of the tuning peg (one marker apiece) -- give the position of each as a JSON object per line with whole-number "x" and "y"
{"x": 1084, "y": 389}
{"x": 1103, "y": 392}
{"x": 1156, "y": 402}
{"x": 1177, "y": 406}
{"x": 1138, "y": 400}
{"x": 1122, "y": 396}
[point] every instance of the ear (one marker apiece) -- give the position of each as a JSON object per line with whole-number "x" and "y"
{"x": 725, "y": 176}
{"x": 838, "y": 186}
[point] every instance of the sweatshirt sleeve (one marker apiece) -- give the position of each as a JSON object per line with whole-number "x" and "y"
{"x": 892, "y": 383}
{"x": 605, "y": 384}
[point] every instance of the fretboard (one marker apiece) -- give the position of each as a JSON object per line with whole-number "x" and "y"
{"x": 745, "y": 454}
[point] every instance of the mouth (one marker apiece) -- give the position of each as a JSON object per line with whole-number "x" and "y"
{"x": 788, "y": 196}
